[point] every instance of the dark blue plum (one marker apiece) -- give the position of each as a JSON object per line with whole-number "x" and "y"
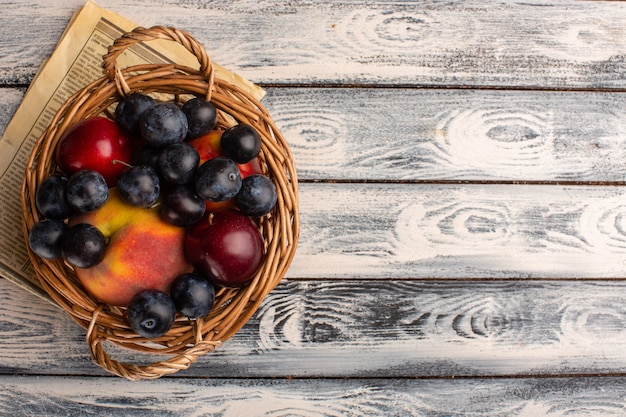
{"x": 257, "y": 196}
{"x": 218, "y": 179}
{"x": 50, "y": 198}
{"x": 46, "y": 237}
{"x": 178, "y": 163}
{"x": 193, "y": 295}
{"x": 163, "y": 124}
{"x": 241, "y": 143}
{"x": 151, "y": 313}
{"x": 129, "y": 111}
{"x": 139, "y": 186}
{"x": 83, "y": 246}
{"x": 86, "y": 191}
{"x": 201, "y": 117}
{"x": 182, "y": 207}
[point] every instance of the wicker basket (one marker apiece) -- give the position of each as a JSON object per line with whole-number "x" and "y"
{"x": 188, "y": 339}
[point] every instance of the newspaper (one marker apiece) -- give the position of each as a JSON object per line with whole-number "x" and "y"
{"x": 75, "y": 62}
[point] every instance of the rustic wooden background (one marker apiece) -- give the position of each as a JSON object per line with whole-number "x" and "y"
{"x": 463, "y": 206}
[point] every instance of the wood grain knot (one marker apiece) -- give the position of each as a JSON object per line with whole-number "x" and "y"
{"x": 452, "y": 228}
{"x": 598, "y": 324}
{"x": 492, "y": 136}
{"x": 315, "y": 132}
{"x": 603, "y": 225}
{"x": 370, "y": 34}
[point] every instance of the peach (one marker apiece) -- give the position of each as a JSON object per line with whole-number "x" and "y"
{"x": 143, "y": 252}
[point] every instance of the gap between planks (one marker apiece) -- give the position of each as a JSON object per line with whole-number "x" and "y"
{"x": 419, "y": 86}
{"x": 456, "y": 182}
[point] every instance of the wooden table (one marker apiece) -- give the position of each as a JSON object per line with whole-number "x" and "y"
{"x": 463, "y": 206}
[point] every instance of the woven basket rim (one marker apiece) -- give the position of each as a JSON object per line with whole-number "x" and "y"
{"x": 188, "y": 339}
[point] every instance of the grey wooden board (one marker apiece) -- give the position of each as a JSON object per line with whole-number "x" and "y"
{"x": 444, "y": 231}
{"x": 543, "y": 44}
{"x": 461, "y": 231}
{"x": 443, "y": 135}
{"x": 383, "y": 329}
{"x": 592, "y": 397}
{"x": 454, "y": 135}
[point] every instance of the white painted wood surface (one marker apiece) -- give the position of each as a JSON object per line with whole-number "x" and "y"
{"x": 336, "y": 398}
{"x": 463, "y": 212}
{"x": 568, "y": 44}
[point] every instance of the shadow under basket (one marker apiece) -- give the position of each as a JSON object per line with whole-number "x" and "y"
{"x": 187, "y": 339}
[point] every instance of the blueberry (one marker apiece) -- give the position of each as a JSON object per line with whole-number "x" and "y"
{"x": 182, "y": 207}
{"x": 83, "y": 245}
{"x": 201, "y": 117}
{"x": 257, "y": 195}
{"x": 139, "y": 186}
{"x": 45, "y": 238}
{"x": 151, "y": 313}
{"x": 163, "y": 124}
{"x": 86, "y": 191}
{"x": 178, "y": 163}
{"x": 50, "y": 198}
{"x": 218, "y": 179}
{"x": 241, "y": 143}
{"x": 129, "y": 111}
{"x": 193, "y": 295}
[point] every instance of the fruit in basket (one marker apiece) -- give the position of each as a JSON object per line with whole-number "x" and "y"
{"x": 122, "y": 243}
{"x": 227, "y": 248}
{"x": 151, "y": 313}
{"x": 46, "y": 237}
{"x": 241, "y": 143}
{"x": 83, "y": 245}
{"x": 143, "y": 252}
{"x": 193, "y": 295}
{"x": 209, "y": 146}
{"x": 257, "y": 196}
{"x": 163, "y": 124}
{"x": 147, "y": 155}
{"x": 218, "y": 179}
{"x": 181, "y": 206}
{"x": 96, "y": 143}
{"x": 129, "y": 111}
{"x": 50, "y": 198}
{"x": 250, "y": 168}
{"x": 139, "y": 186}
{"x": 178, "y": 163}
{"x": 201, "y": 117}
{"x": 86, "y": 191}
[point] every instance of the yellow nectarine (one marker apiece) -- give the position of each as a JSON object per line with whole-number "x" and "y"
{"x": 143, "y": 252}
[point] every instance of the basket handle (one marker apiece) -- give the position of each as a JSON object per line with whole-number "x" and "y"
{"x": 140, "y": 34}
{"x": 155, "y": 370}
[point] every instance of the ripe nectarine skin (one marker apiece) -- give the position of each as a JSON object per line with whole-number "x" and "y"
{"x": 96, "y": 143}
{"x": 143, "y": 252}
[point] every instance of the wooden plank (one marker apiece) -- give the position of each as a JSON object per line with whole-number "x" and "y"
{"x": 383, "y": 329}
{"x": 434, "y": 135}
{"x": 45, "y": 396}
{"x": 461, "y": 230}
{"x": 532, "y": 44}
{"x": 405, "y": 134}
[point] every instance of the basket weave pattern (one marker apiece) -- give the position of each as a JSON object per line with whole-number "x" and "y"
{"x": 188, "y": 339}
